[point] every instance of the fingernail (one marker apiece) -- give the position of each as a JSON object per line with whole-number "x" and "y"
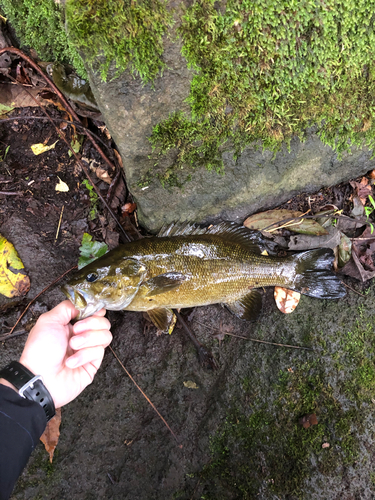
{"x": 71, "y": 362}
{"x": 77, "y": 342}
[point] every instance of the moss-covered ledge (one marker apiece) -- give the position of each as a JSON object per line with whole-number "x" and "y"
{"x": 204, "y": 84}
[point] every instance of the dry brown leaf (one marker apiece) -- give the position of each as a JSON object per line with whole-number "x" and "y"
{"x": 286, "y": 300}
{"x": 362, "y": 189}
{"x": 17, "y": 97}
{"x": 103, "y": 175}
{"x": 308, "y": 420}
{"x": 118, "y": 158}
{"x": 50, "y": 436}
{"x": 284, "y": 219}
{"x": 128, "y": 209}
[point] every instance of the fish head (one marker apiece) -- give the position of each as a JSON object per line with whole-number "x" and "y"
{"x": 105, "y": 284}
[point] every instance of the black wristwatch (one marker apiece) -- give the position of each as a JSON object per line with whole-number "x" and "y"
{"x": 29, "y": 386}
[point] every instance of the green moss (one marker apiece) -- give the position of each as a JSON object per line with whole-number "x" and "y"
{"x": 39, "y": 24}
{"x": 127, "y": 32}
{"x": 269, "y": 451}
{"x": 266, "y": 71}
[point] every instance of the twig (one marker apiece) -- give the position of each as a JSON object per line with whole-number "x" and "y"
{"x": 270, "y": 343}
{"x": 205, "y": 356}
{"x": 3, "y": 338}
{"x": 352, "y": 289}
{"x": 284, "y": 222}
{"x": 11, "y": 193}
{"x": 34, "y": 299}
{"x": 253, "y": 340}
{"x": 58, "y": 227}
{"x": 144, "y": 395}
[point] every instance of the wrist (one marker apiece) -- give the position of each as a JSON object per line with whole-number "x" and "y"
{"x": 29, "y": 386}
{"x": 8, "y": 384}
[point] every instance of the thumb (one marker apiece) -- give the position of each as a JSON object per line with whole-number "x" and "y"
{"x": 61, "y": 314}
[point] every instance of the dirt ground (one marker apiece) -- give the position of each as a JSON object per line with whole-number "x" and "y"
{"x": 112, "y": 444}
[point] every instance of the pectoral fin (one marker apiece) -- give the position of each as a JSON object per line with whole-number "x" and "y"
{"x": 163, "y": 283}
{"x": 248, "y": 307}
{"x": 163, "y": 318}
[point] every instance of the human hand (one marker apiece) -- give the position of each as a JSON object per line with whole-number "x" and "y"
{"x": 66, "y": 356}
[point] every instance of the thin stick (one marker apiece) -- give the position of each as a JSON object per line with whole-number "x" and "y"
{"x": 352, "y": 289}
{"x": 144, "y": 395}
{"x": 282, "y": 223}
{"x": 11, "y": 193}
{"x": 34, "y": 299}
{"x": 270, "y": 343}
{"x": 58, "y": 227}
{"x": 254, "y": 340}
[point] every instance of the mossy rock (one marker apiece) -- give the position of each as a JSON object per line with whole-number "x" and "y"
{"x": 203, "y": 84}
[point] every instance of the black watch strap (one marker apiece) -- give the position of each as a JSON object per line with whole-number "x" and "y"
{"x": 29, "y": 386}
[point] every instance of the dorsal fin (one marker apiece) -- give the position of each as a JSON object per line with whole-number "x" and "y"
{"x": 227, "y": 230}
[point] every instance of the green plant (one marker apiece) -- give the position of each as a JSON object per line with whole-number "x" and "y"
{"x": 126, "y": 33}
{"x": 93, "y": 199}
{"x": 265, "y": 71}
{"x": 90, "y": 250}
{"x": 368, "y": 212}
{"x": 39, "y": 24}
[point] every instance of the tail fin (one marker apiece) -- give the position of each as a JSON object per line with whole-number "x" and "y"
{"x": 315, "y": 277}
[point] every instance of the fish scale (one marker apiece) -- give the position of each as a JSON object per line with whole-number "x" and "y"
{"x": 216, "y": 271}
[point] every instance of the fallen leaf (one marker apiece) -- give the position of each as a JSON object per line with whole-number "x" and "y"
{"x": 344, "y": 250}
{"x": 286, "y": 300}
{"x": 40, "y": 148}
{"x": 128, "y": 209}
{"x": 362, "y": 189}
{"x": 308, "y": 420}
{"x": 76, "y": 143}
{"x": 190, "y": 384}
{"x": 103, "y": 175}
{"x": 118, "y": 158}
{"x": 4, "y": 109}
{"x": 50, "y": 436}
{"x": 284, "y": 218}
{"x": 90, "y": 250}
{"x": 325, "y": 445}
{"x": 61, "y": 186}
{"x": 304, "y": 242}
{"x": 358, "y": 207}
{"x": 13, "y": 280}
{"x": 355, "y": 269}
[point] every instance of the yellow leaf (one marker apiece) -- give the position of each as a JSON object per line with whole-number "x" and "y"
{"x": 286, "y": 300}
{"x": 13, "y": 280}
{"x": 37, "y": 149}
{"x": 61, "y": 186}
{"x": 190, "y": 384}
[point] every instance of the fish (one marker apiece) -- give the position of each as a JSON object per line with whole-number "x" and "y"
{"x": 186, "y": 266}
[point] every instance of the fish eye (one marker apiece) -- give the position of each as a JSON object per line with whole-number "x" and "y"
{"x": 91, "y": 277}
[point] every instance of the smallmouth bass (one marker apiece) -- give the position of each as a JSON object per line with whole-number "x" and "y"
{"x": 187, "y": 266}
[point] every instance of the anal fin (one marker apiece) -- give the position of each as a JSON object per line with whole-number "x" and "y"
{"x": 164, "y": 319}
{"x": 247, "y": 307}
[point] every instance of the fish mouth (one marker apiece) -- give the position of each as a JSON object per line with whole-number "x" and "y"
{"x": 81, "y": 301}
{"x": 77, "y": 298}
